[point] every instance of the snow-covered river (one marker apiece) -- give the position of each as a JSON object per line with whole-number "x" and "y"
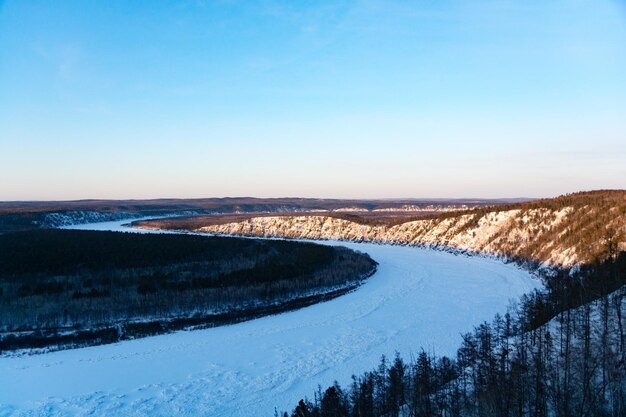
{"x": 418, "y": 298}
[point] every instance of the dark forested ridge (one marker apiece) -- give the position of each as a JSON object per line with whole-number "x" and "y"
{"x": 101, "y": 286}
{"x": 559, "y": 353}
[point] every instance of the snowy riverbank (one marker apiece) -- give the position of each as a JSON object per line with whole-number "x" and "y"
{"x": 418, "y": 298}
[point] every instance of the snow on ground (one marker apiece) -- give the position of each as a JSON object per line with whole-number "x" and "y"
{"x": 418, "y": 298}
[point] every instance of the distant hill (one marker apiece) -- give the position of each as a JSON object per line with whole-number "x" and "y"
{"x": 562, "y": 231}
{"x": 572, "y": 229}
{"x": 26, "y": 215}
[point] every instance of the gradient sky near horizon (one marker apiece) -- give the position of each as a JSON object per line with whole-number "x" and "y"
{"x": 117, "y": 99}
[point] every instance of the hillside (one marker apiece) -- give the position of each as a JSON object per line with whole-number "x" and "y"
{"x": 564, "y": 231}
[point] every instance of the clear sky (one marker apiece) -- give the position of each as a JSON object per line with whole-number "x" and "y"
{"x": 433, "y": 98}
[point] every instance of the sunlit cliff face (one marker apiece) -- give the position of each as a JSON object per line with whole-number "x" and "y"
{"x": 560, "y": 237}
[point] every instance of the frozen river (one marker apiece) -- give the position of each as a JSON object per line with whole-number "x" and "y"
{"x": 419, "y": 298}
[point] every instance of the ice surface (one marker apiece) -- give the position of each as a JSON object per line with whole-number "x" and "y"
{"x": 418, "y": 298}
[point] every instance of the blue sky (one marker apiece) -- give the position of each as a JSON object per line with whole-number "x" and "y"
{"x": 114, "y": 99}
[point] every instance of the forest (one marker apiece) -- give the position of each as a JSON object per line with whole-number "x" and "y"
{"x": 558, "y": 352}
{"x": 67, "y": 287}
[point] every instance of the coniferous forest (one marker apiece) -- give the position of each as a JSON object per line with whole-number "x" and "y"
{"x": 72, "y": 288}
{"x": 559, "y": 352}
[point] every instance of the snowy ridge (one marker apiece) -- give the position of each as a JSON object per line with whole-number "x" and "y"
{"x": 69, "y": 218}
{"x": 504, "y": 234}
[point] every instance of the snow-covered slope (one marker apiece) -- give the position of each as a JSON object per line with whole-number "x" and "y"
{"x": 68, "y": 218}
{"x": 538, "y": 234}
{"x": 418, "y": 298}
